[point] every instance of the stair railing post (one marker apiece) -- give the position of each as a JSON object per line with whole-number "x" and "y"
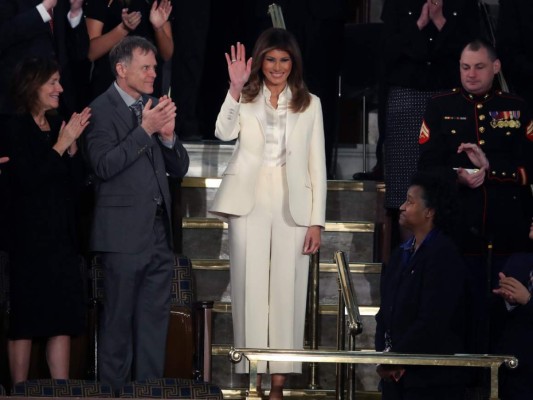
{"x": 341, "y": 345}
{"x": 202, "y": 358}
{"x": 351, "y": 367}
{"x": 314, "y": 274}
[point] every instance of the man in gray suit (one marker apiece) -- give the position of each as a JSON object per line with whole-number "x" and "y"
{"x": 130, "y": 146}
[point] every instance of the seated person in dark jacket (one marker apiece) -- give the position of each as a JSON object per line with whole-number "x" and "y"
{"x": 513, "y": 324}
{"x": 423, "y": 296}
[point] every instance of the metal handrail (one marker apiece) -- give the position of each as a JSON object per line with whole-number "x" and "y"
{"x": 355, "y": 325}
{"x": 347, "y": 305}
{"x": 371, "y": 357}
{"x": 313, "y": 307}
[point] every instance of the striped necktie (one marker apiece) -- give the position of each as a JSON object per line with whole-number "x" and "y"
{"x": 137, "y": 109}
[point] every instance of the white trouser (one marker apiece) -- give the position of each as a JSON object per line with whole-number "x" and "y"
{"x": 268, "y": 274}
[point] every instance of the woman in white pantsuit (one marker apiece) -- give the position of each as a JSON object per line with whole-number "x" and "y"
{"x": 273, "y": 195}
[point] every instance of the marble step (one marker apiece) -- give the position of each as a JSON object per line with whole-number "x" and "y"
{"x": 323, "y": 394}
{"x": 223, "y": 331}
{"x": 207, "y": 238}
{"x": 212, "y": 281}
{"x": 346, "y": 200}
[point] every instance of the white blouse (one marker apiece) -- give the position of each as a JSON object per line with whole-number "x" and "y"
{"x": 275, "y": 130}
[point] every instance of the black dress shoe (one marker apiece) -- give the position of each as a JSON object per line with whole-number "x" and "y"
{"x": 376, "y": 174}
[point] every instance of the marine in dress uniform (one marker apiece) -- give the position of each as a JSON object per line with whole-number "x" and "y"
{"x": 493, "y": 223}
{"x": 501, "y": 125}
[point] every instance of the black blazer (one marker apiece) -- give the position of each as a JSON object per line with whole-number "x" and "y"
{"x": 423, "y": 308}
{"x": 515, "y": 47}
{"x": 44, "y": 188}
{"x": 426, "y": 59}
{"x": 129, "y": 177}
{"x": 24, "y": 34}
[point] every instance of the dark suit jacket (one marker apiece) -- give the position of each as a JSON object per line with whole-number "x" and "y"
{"x": 128, "y": 178}
{"x": 24, "y": 34}
{"x": 512, "y": 332}
{"x": 426, "y": 59}
{"x": 515, "y": 46}
{"x": 423, "y": 308}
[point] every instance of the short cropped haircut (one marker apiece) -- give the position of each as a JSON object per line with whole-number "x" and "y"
{"x": 29, "y": 75}
{"x": 439, "y": 194}
{"x": 122, "y": 52}
{"x": 479, "y": 44}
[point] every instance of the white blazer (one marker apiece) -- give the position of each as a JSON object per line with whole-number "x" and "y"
{"x": 305, "y": 160}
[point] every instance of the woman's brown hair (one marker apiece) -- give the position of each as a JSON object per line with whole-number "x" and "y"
{"x": 28, "y": 77}
{"x": 278, "y": 39}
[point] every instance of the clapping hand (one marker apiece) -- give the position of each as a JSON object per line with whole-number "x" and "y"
{"x": 239, "y": 69}
{"x": 423, "y": 19}
{"x": 511, "y": 290}
{"x": 71, "y": 130}
{"x": 159, "y": 14}
{"x": 475, "y": 154}
{"x": 479, "y": 159}
{"x": 435, "y": 8}
{"x": 160, "y": 118}
{"x": 431, "y": 11}
{"x": 131, "y": 20}
{"x": 167, "y": 130}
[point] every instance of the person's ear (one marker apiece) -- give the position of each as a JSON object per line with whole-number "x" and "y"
{"x": 496, "y": 66}
{"x": 430, "y": 212}
{"x": 121, "y": 69}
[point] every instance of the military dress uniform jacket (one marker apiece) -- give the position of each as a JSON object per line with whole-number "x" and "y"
{"x": 501, "y": 124}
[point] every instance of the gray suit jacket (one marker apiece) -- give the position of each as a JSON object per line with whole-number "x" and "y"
{"x": 129, "y": 177}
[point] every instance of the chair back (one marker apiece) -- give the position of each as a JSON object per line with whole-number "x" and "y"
{"x": 182, "y": 292}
